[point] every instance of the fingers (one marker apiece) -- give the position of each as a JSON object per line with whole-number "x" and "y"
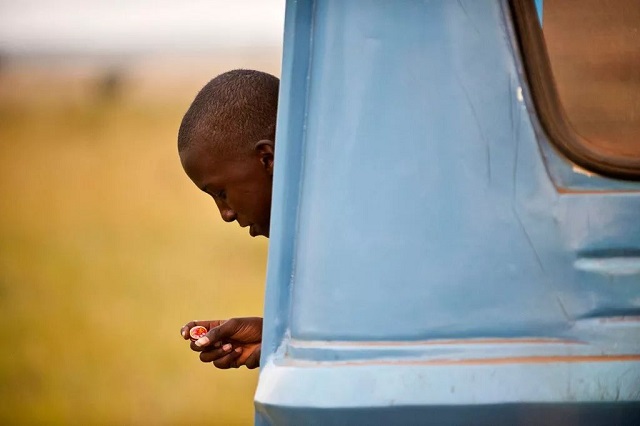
{"x": 214, "y": 354}
{"x": 229, "y": 361}
{"x": 222, "y": 332}
{"x": 228, "y": 343}
{"x": 197, "y": 348}
{"x": 184, "y": 331}
{"x": 254, "y": 359}
{"x": 227, "y": 357}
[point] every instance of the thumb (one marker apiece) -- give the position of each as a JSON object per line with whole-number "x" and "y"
{"x": 222, "y": 332}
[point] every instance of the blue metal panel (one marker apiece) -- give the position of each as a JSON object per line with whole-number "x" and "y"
{"x": 429, "y": 248}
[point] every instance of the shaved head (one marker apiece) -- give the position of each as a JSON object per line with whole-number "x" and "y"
{"x": 232, "y": 113}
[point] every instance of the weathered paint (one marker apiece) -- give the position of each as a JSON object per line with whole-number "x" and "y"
{"x": 426, "y": 236}
{"x": 477, "y": 361}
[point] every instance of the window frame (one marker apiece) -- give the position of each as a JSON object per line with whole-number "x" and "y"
{"x": 547, "y": 103}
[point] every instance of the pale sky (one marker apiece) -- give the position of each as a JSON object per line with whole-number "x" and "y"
{"x": 130, "y": 26}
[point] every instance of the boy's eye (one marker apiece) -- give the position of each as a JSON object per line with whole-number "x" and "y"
{"x": 219, "y": 195}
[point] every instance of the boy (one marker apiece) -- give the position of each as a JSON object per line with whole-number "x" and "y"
{"x": 226, "y": 146}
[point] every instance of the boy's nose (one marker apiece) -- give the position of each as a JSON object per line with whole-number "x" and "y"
{"x": 228, "y": 215}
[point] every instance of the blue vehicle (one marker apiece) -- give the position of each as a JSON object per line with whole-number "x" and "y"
{"x": 445, "y": 247}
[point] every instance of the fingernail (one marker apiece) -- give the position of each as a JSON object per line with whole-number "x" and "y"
{"x": 226, "y": 347}
{"x": 184, "y": 333}
{"x": 202, "y": 341}
{"x": 238, "y": 350}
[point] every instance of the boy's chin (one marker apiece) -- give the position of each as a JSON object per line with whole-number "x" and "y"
{"x": 257, "y": 230}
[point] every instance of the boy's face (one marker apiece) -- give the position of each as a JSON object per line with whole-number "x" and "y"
{"x": 240, "y": 184}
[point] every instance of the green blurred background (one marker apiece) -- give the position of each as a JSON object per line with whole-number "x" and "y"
{"x": 107, "y": 249}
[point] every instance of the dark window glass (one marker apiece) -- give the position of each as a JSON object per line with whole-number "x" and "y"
{"x": 583, "y": 69}
{"x": 594, "y": 51}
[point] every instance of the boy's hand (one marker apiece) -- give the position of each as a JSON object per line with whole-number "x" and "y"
{"x": 229, "y": 343}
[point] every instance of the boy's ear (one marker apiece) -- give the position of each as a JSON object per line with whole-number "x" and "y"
{"x": 265, "y": 150}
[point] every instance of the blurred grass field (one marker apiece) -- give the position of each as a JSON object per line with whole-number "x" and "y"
{"x": 106, "y": 249}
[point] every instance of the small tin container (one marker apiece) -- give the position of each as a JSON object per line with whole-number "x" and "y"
{"x": 197, "y": 332}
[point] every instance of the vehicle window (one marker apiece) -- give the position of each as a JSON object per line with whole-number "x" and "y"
{"x": 583, "y": 68}
{"x": 594, "y": 50}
